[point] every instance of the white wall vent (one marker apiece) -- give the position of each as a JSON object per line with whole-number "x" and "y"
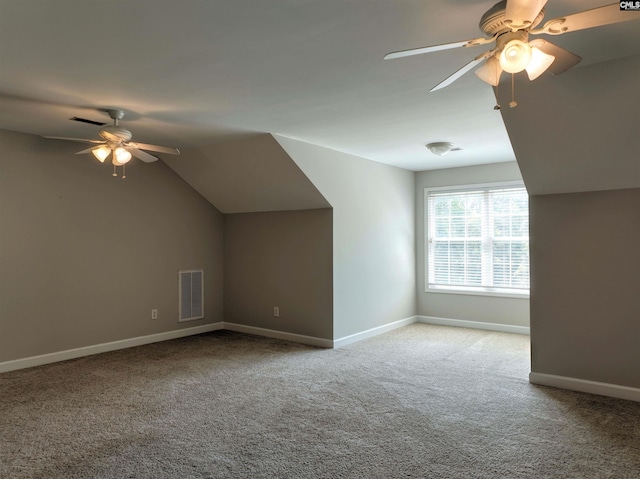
{"x": 191, "y": 292}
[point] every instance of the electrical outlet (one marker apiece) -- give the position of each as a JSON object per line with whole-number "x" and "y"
{"x": 276, "y": 311}
{"x": 154, "y": 314}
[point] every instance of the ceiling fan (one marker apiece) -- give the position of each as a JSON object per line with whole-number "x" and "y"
{"x": 116, "y": 142}
{"x": 508, "y": 24}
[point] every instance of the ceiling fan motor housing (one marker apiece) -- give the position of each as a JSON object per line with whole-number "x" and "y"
{"x": 492, "y": 22}
{"x": 115, "y": 133}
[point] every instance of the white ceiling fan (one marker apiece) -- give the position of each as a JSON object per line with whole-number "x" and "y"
{"x": 508, "y": 24}
{"x": 116, "y": 142}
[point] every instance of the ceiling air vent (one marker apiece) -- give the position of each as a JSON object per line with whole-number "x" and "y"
{"x": 84, "y": 120}
{"x": 191, "y": 294}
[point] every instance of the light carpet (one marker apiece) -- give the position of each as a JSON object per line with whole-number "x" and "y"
{"x": 423, "y": 401}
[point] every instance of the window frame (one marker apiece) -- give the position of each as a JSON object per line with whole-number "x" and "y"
{"x": 465, "y": 290}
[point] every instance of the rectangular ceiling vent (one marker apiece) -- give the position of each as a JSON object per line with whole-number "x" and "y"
{"x": 191, "y": 292}
{"x": 84, "y": 120}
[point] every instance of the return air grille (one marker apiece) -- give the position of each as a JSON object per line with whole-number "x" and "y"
{"x": 191, "y": 291}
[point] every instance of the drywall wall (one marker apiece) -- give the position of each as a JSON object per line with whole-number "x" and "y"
{"x": 373, "y": 235}
{"x": 510, "y": 311}
{"x": 247, "y": 175}
{"x": 585, "y": 272}
{"x": 281, "y": 259}
{"x": 84, "y": 256}
{"x": 577, "y": 131}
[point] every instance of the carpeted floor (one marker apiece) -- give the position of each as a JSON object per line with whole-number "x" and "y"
{"x": 420, "y": 402}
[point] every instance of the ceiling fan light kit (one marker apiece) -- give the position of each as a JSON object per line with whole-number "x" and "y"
{"x": 515, "y": 56}
{"x": 101, "y": 153}
{"x": 121, "y": 156}
{"x": 539, "y": 63}
{"x": 116, "y": 142}
{"x": 509, "y": 23}
{"x": 490, "y": 71}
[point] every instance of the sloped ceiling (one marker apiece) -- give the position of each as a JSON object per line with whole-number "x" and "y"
{"x": 580, "y": 132}
{"x": 192, "y": 74}
{"x": 248, "y": 175}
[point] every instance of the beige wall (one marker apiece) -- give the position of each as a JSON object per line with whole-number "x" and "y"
{"x": 488, "y": 309}
{"x": 585, "y": 303}
{"x": 246, "y": 176}
{"x": 281, "y": 259}
{"x": 577, "y": 131}
{"x": 373, "y": 235}
{"x": 84, "y": 257}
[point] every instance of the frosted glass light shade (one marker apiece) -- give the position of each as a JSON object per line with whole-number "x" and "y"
{"x": 515, "y": 56}
{"x": 440, "y": 148}
{"x": 122, "y": 155}
{"x": 490, "y": 71}
{"x": 539, "y": 63}
{"x": 101, "y": 153}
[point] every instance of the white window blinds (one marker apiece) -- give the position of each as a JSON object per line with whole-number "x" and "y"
{"x": 478, "y": 239}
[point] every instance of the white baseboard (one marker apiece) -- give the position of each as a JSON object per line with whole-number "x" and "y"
{"x": 271, "y": 333}
{"x": 298, "y": 338}
{"x": 462, "y": 323}
{"x": 373, "y": 332}
{"x": 583, "y": 385}
{"x": 105, "y": 347}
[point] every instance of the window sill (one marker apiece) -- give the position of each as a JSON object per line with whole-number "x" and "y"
{"x": 465, "y": 291}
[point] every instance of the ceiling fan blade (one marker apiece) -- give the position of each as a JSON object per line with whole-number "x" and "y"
{"x": 521, "y": 13}
{"x": 82, "y": 140}
{"x": 437, "y": 48}
{"x": 159, "y": 149}
{"x": 564, "y": 58}
{"x": 469, "y": 66}
{"x": 596, "y": 17}
{"x": 142, "y": 155}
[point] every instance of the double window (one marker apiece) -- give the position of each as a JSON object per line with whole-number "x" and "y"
{"x": 478, "y": 239}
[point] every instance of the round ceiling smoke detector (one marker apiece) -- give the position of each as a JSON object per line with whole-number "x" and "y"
{"x": 440, "y": 148}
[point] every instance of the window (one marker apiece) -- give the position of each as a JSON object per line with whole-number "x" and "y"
{"x": 478, "y": 239}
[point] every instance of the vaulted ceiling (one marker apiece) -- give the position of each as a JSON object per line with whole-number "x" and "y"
{"x": 196, "y": 73}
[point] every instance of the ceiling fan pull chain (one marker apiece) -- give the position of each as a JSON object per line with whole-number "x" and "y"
{"x": 124, "y": 175}
{"x": 513, "y": 103}
{"x": 114, "y": 171}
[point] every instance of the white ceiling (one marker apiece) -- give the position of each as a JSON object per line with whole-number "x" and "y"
{"x": 198, "y": 72}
